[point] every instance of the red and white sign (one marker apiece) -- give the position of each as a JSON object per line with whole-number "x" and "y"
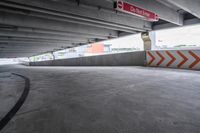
{"x": 134, "y": 10}
{"x": 189, "y": 59}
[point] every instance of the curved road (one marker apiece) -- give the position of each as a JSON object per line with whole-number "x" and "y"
{"x": 108, "y": 100}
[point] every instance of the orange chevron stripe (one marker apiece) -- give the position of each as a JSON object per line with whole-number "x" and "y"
{"x": 161, "y": 58}
{"x": 185, "y": 59}
{"x": 172, "y": 58}
{"x": 152, "y": 58}
{"x": 196, "y": 57}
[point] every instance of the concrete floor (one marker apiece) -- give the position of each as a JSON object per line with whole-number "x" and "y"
{"x": 106, "y": 100}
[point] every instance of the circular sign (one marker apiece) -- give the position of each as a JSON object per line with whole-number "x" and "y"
{"x": 120, "y": 4}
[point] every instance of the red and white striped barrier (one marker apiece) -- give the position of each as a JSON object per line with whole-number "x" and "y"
{"x": 187, "y": 59}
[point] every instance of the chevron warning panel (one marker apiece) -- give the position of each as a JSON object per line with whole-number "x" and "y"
{"x": 172, "y": 58}
{"x": 161, "y": 58}
{"x": 184, "y": 59}
{"x": 187, "y": 59}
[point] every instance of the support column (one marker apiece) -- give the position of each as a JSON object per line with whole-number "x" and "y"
{"x": 147, "y": 41}
{"x": 53, "y": 55}
{"x": 29, "y": 60}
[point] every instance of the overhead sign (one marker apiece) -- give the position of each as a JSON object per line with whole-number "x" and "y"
{"x": 134, "y": 10}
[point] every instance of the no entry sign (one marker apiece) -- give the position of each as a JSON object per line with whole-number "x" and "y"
{"x": 134, "y": 10}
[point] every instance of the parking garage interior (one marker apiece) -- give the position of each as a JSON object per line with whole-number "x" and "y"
{"x": 68, "y": 76}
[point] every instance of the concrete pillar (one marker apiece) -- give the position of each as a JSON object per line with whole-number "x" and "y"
{"x": 29, "y": 59}
{"x": 34, "y": 58}
{"x": 53, "y": 55}
{"x": 146, "y": 39}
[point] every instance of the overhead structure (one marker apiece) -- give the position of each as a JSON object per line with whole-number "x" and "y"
{"x": 31, "y": 27}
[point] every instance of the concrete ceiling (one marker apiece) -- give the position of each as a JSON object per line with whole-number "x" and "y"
{"x": 31, "y": 27}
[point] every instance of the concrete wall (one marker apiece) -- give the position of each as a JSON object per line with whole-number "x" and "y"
{"x": 120, "y": 59}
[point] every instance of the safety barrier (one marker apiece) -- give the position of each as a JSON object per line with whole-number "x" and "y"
{"x": 118, "y": 59}
{"x": 186, "y": 59}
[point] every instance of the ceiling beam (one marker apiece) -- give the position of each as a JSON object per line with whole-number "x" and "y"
{"x": 191, "y": 6}
{"x": 39, "y": 35}
{"x": 79, "y": 13}
{"x": 53, "y": 32}
{"x": 72, "y": 34}
{"x": 163, "y": 11}
{"x": 20, "y": 39}
{"x": 170, "y": 25}
{"x": 31, "y": 44}
{"x": 17, "y": 55}
{"x": 29, "y": 50}
{"x": 35, "y": 22}
{"x": 108, "y": 26}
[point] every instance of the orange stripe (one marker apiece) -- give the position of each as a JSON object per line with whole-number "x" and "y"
{"x": 185, "y": 59}
{"x": 197, "y": 59}
{"x": 161, "y": 58}
{"x": 152, "y": 58}
{"x": 172, "y": 58}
